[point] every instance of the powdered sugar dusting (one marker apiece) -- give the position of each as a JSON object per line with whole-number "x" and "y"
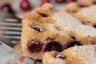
{"x": 89, "y": 12}
{"x": 70, "y": 24}
{"x": 85, "y": 54}
{"x": 86, "y": 30}
{"x": 66, "y": 21}
{"x": 52, "y": 28}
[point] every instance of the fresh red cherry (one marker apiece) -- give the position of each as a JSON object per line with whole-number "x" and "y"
{"x": 25, "y": 5}
{"x": 36, "y": 46}
{"x": 60, "y": 1}
{"x": 7, "y": 8}
{"x": 45, "y": 1}
{"x": 69, "y": 1}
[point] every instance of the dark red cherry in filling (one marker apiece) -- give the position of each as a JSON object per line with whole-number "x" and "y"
{"x": 25, "y": 5}
{"x": 35, "y": 46}
{"x": 83, "y": 6}
{"x": 7, "y": 8}
{"x": 94, "y": 26}
{"x": 71, "y": 44}
{"x": 43, "y": 15}
{"x": 51, "y": 46}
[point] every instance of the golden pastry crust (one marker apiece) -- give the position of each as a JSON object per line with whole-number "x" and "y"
{"x": 76, "y": 6}
{"x": 87, "y": 15}
{"x": 71, "y": 7}
{"x": 84, "y": 10}
{"x": 84, "y": 3}
{"x": 45, "y": 9}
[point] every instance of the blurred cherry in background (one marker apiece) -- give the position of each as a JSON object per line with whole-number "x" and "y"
{"x": 25, "y": 5}
{"x": 45, "y": 1}
{"x": 20, "y": 7}
{"x": 7, "y": 8}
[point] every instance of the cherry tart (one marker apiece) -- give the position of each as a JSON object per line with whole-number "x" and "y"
{"x": 39, "y": 34}
{"x": 45, "y": 30}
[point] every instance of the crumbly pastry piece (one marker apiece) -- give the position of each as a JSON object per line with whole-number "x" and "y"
{"x": 45, "y": 9}
{"x": 18, "y": 47}
{"x": 53, "y": 58}
{"x": 81, "y": 54}
{"x": 87, "y": 15}
{"x": 71, "y": 7}
{"x": 39, "y": 35}
{"x": 83, "y": 33}
{"x": 75, "y": 55}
